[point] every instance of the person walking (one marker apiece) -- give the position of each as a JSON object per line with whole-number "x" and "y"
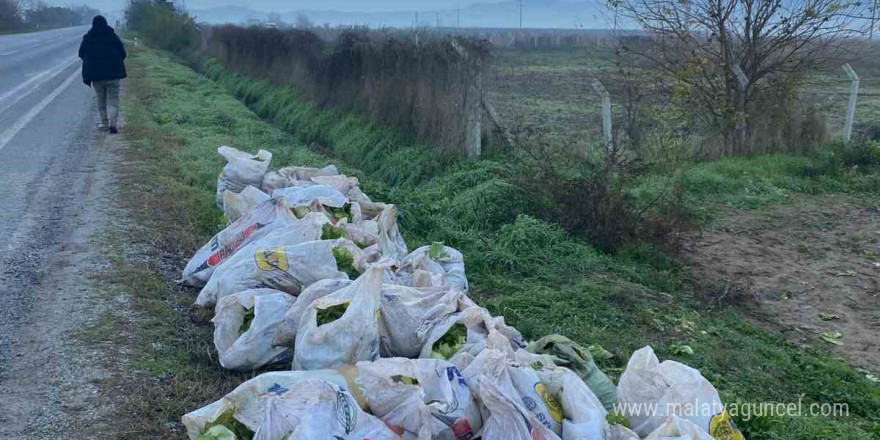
{"x": 103, "y": 56}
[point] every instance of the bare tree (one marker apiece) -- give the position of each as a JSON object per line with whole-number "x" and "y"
{"x": 10, "y": 15}
{"x": 303, "y": 21}
{"x": 722, "y": 55}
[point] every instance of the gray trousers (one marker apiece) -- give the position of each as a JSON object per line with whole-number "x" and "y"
{"x": 108, "y": 100}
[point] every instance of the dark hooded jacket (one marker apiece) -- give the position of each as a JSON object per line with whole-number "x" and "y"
{"x": 102, "y": 53}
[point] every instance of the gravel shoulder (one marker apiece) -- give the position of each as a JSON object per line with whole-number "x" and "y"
{"x": 51, "y": 378}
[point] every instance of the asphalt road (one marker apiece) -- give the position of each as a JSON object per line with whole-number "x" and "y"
{"x": 51, "y": 161}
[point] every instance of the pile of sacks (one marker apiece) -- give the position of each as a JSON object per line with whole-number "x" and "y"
{"x": 384, "y": 343}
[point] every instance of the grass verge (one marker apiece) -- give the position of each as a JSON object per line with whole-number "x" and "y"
{"x": 531, "y": 272}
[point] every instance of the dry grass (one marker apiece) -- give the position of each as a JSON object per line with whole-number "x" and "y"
{"x": 412, "y": 81}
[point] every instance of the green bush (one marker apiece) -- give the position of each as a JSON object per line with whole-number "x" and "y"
{"x": 162, "y": 25}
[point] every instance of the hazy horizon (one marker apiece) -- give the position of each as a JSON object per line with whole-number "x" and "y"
{"x": 550, "y": 14}
{"x": 287, "y": 6}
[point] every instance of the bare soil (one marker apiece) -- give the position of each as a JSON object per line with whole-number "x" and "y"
{"x": 806, "y": 268}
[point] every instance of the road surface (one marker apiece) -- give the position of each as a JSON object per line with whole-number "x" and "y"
{"x": 53, "y": 174}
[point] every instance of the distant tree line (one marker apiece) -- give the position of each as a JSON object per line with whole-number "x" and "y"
{"x": 22, "y": 15}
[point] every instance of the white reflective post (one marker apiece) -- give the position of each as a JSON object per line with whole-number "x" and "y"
{"x": 853, "y": 96}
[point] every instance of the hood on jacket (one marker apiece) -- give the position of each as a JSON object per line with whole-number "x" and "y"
{"x": 100, "y": 26}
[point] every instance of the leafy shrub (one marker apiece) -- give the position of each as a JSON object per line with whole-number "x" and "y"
{"x": 162, "y": 24}
{"x": 597, "y": 198}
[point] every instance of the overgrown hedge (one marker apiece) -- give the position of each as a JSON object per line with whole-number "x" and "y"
{"x": 415, "y": 82}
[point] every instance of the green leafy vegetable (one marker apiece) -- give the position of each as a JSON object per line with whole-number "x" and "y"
{"x": 615, "y": 418}
{"x": 330, "y": 232}
{"x": 246, "y": 323}
{"x": 450, "y": 343}
{"x": 301, "y": 211}
{"x": 599, "y": 353}
{"x": 345, "y": 262}
{"x": 228, "y": 421}
{"x": 340, "y": 213}
{"x": 332, "y": 313}
{"x": 437, "y": 250}
{"x": 217, "y": 432}
{"x": 681, "y": 350}
{"x": 397, "y": 378}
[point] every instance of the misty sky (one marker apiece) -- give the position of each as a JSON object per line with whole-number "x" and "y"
{"x": 283, "y": 6}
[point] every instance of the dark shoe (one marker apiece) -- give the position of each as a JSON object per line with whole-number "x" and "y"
{"x": 113, "y": 130}
{"x": 101, "y": 127}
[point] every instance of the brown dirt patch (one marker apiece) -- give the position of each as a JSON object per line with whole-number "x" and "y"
{"x": 807, "y": 268}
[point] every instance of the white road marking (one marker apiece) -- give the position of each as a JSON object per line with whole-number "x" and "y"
{"x": 35, "y": 81}
{"x": 24, "y": 120}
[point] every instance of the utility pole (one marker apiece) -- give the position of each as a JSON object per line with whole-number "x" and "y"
{"x": 438, "y": 20}
{"x": 873, "y": 18}
{"x": 417, "y": 20}
{"x": 458, "y": 17}
{"x": 520, "y": 13}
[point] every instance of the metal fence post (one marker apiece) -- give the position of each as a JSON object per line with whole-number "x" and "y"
{"x": 606, "y": 112}
{"x": 853, "y": 96}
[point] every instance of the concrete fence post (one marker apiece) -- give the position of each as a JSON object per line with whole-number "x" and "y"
{"x": 496, "y": 120}
{"x": 474, "y": 135}
{"x": 473, "y": 108}
{"x": 606, "y": 113}
{"x": 853, "y": 96}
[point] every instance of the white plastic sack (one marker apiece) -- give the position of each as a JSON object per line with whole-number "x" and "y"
{"x": 307, "y": 173}
{"x": 286, "y": 336}
{"x": 319, "y": 410}
{"x": 506, "y": 414}
{"x": 246, "y": 403}
{"x": 236, "y": 205}
{"x": 286, "y": 268}
{"x": 420, "y": 399}
{"x": 365, "y": 232}
{"x": 391, "y": 243}
{"x": 272, "y": 181}
{"x": 245, "y": 346}
{"x": 479, "y": 324}
{"x": 674, "y": 388}
{"x": 326, "y": 195}
{"x": 341, "y": 183}
{"x": 620, "y": 432}
{"x": 358, "y": 196}
{"x": 535, "y": 398}
{"x": 675, "y": 428}
{"x": 584, "y": 415}
{"x": 351, "y": 338}
{"x": 408, "y": 315}
{"x": 257, "y": 223}
{"x": 444, "y": 265}
{"x": 242, "y": 169}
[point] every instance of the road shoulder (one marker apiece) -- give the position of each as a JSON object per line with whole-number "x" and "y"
{"x": 53, "y": 384}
